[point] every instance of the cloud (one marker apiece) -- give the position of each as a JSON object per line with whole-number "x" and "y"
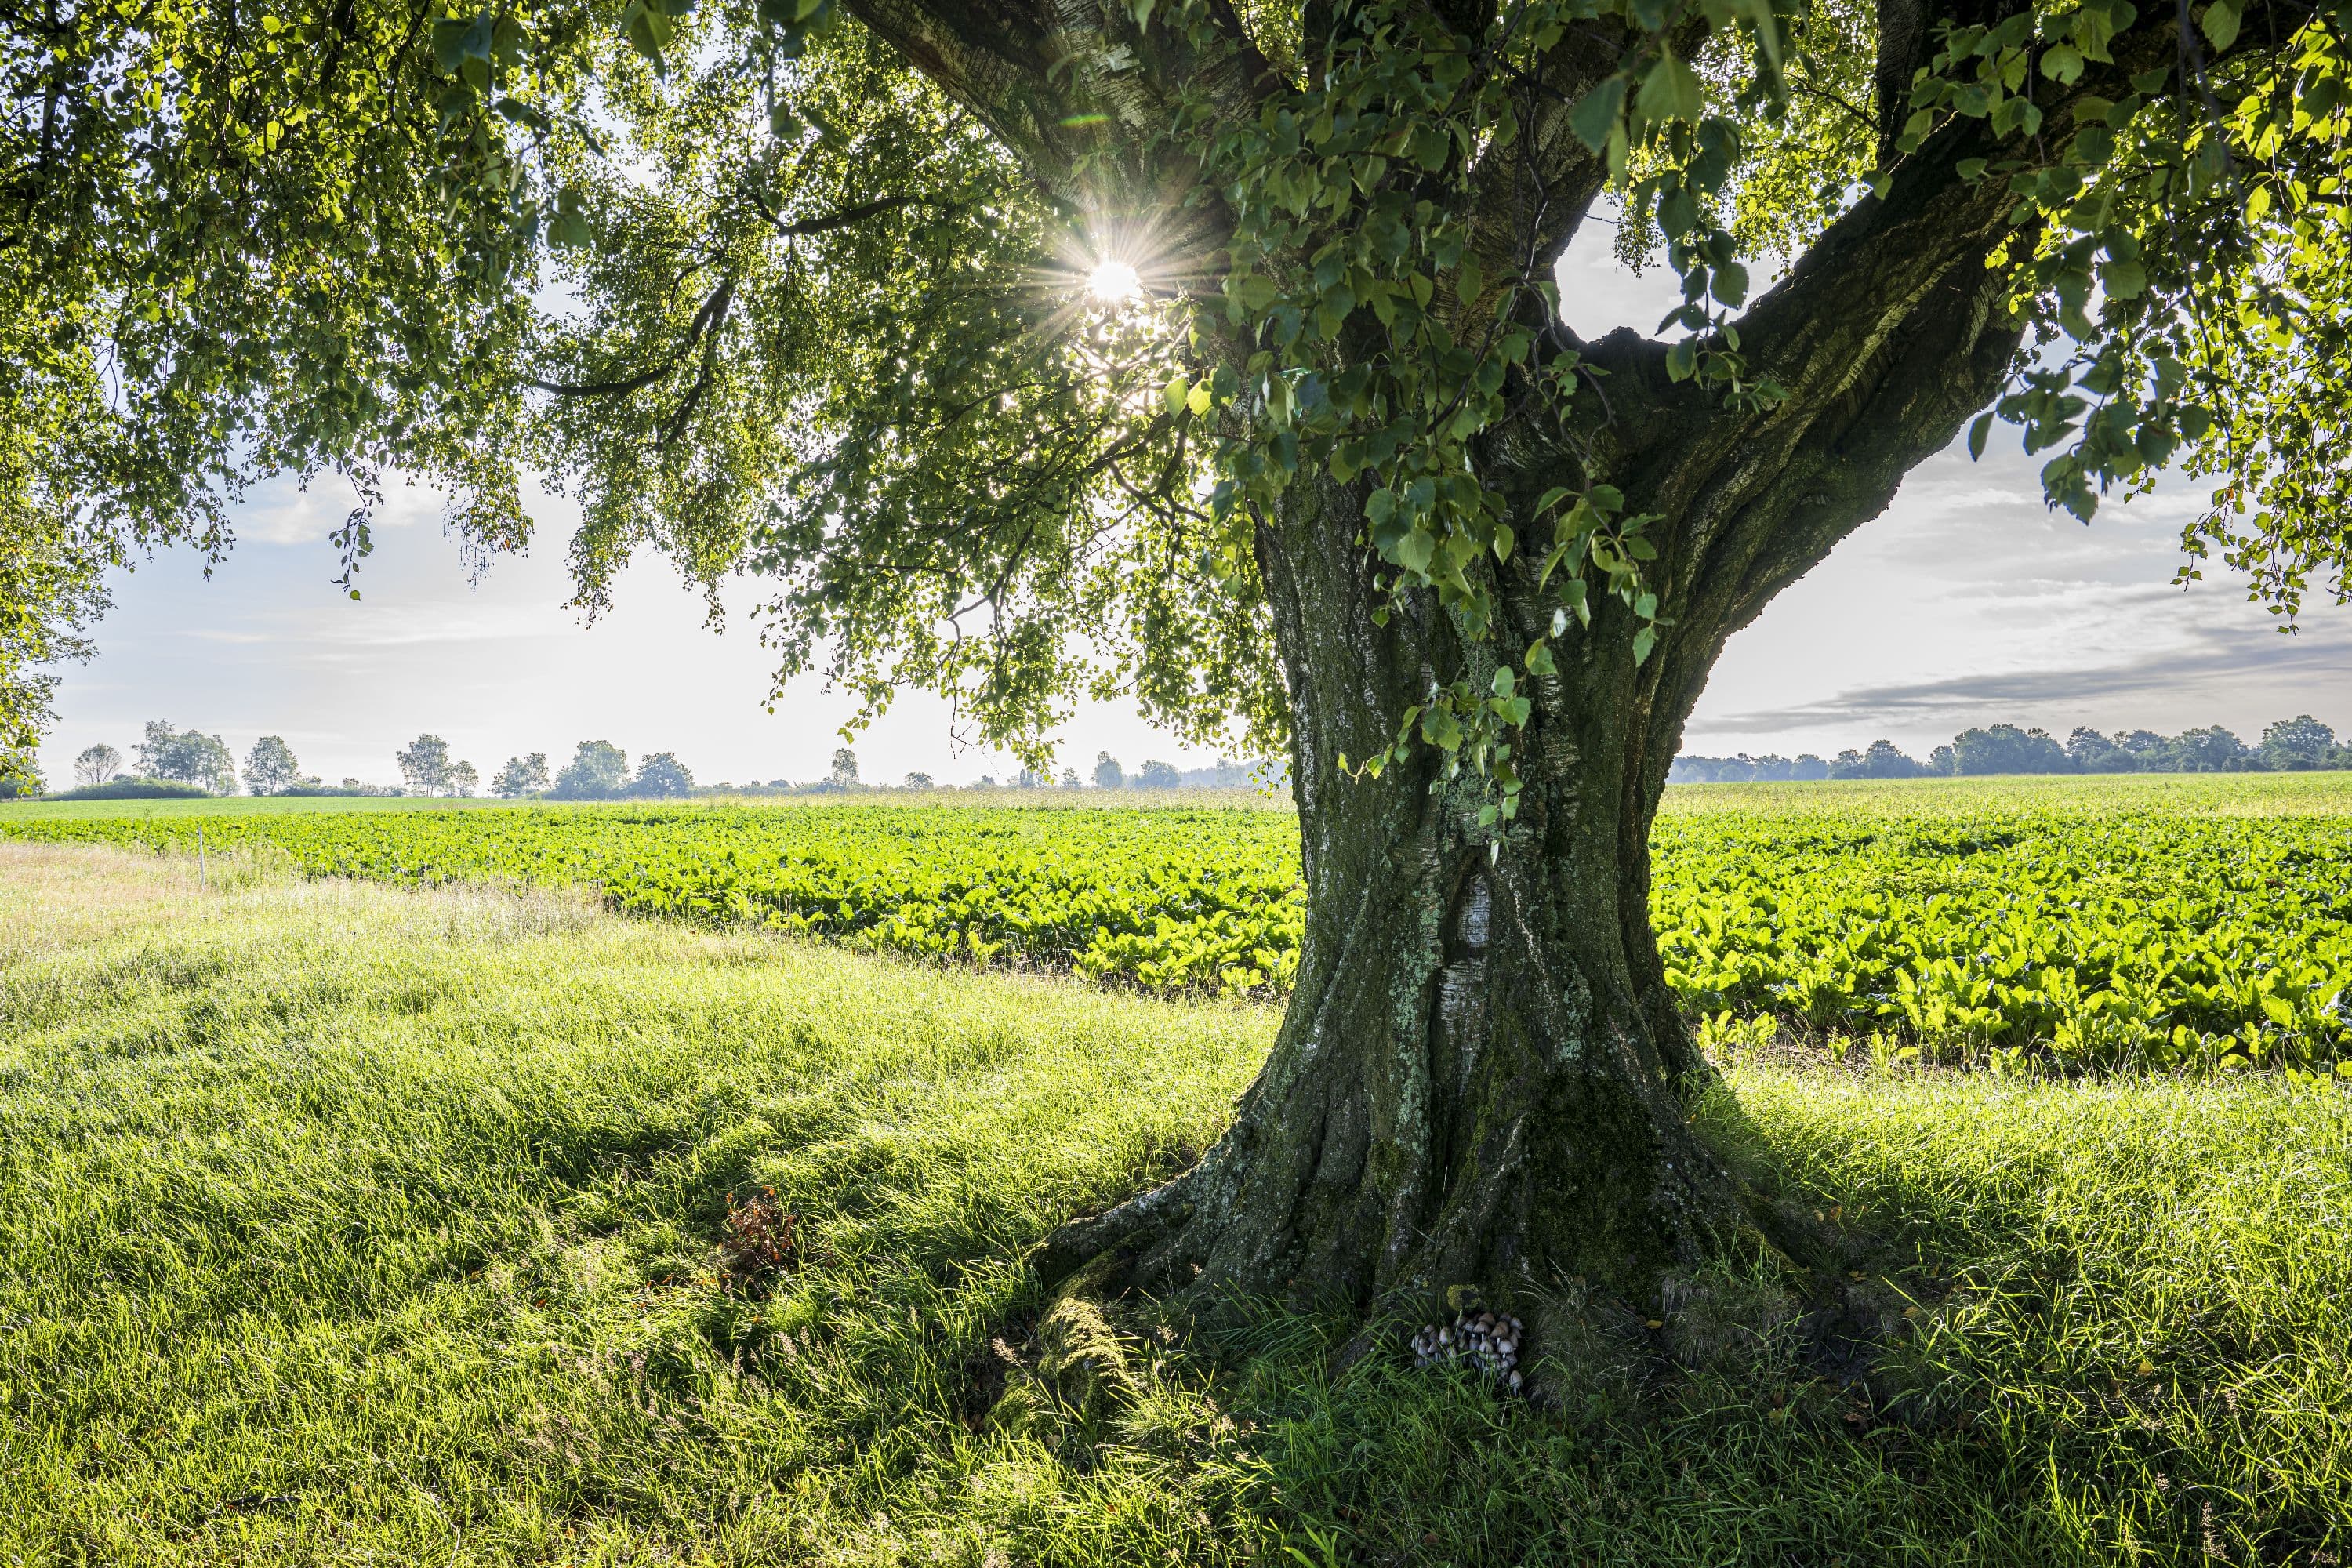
{"x": 282, "y": 513}
{"x": 2209, "y": 656}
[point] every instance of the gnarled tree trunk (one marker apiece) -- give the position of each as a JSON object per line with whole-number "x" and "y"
{"x": 1482, "y": 1079}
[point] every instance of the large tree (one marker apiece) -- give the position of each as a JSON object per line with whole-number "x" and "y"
{"x": 1212, "y": 353}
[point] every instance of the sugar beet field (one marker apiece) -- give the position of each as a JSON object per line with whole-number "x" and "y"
{"x": 2148, "y": 923}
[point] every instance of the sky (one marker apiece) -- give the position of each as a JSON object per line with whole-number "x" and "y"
{"x": 1968, "y": 603}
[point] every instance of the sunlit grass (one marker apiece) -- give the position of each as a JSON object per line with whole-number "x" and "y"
{"x": 352, "y": 1224}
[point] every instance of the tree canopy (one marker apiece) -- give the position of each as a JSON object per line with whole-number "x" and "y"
{"x": 803, "y": 289}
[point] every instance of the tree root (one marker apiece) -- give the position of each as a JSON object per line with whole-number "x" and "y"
{"x": 1101, "y": 1247}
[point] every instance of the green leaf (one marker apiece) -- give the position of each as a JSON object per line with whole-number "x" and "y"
{"x": 1596, "y": 113}
{"x": 1977, "y": 433}
{"x": 1671, "y": 91}
{"x": 1643, "y": 641}
{"x": 1682, "y": 359}
{"x": 2220, "y": 24}
{"x": 521, "y": 113}
{"x": 1179, "y": 390}
{"x": 647, "y": 28}
{"x": 2123, "y": 279}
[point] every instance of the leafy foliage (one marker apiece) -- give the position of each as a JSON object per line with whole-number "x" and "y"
{"x": 187, "y": 756}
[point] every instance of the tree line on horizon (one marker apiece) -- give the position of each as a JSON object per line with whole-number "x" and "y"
{"x": 2299, "y": 744}
{"x": 172, "y": 762}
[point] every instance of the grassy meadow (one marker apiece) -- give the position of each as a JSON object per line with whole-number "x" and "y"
{"x": 344, "y": 1222}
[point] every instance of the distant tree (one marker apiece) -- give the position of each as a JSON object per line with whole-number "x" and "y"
{"x": 1158, "y": 775}
{"x": 2296, "y": 744}
{"x": 660, "y": 773}
{"x": 97, "y": 764}
{"x": 270, "y": 767}
{"x": 920, "y": 781}
{"x": 1030, "y": 778}
{"x": 2092, "y": 752}
{"x": 2141, "y": 743}
{"x": 521, "y": 776}
{"x": 1069, "y": 778}
{"x": 2006, "y": 749}
{"x": 460, "y": 779}
{"x": 424, "y": 764}
{"x": 844, "y": 768}
{"x": 2209, "y": 750}
{"x": 1884, "y": 760}
{"x": 1944, "y": 761}
{"x": 597, "y": 771}
{"x": 1109, "y": 774}
{"x": 987, "y": 781}
{"x": 186, "y": 756}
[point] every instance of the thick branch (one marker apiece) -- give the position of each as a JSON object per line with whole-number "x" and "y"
{"x": 800, "y": 229}
{"x": 713, "y": 310}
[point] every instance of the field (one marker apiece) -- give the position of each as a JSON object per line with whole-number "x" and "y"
{"x": 345, "y": 1223}
{"x": 2086, "y": 923}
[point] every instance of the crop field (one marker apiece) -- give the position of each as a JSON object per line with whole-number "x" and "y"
{"x": 2155, "y": 922}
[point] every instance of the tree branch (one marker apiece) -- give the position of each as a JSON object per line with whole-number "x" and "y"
{"x": 799, "y": 228}
{"x": 714, "y": 308}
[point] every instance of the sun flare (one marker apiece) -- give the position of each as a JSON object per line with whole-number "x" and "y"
{"x": 1114, "y": 282}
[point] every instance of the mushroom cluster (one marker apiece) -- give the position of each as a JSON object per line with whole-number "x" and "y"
{"x": 1488, "y": 1340}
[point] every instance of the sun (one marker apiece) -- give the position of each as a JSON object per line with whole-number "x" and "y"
{"x": 1114, "y": 282}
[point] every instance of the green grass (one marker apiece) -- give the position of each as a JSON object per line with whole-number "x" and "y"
{"x": 353, "y": 1225}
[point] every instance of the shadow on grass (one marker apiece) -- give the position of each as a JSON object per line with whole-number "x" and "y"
{"x": 1913, "y": 1396}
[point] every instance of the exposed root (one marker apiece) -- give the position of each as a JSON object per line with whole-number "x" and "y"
{"x": 1127, "y": 1230}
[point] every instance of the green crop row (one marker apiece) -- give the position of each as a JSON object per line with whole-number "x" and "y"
{"x": 2141, "y": 935}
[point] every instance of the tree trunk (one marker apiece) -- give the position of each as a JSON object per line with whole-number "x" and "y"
{"x": 1481, "y": 1079}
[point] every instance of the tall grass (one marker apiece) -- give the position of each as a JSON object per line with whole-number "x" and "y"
{"x": 350, "y": 1225}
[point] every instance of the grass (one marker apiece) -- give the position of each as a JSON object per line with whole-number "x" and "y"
{"x": 343, "y": 1223}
